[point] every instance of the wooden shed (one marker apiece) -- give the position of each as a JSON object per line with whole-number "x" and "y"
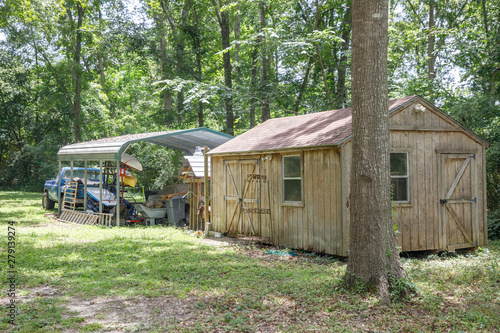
{"x": 288, "y": 180}
{"x": 193, "y": 173}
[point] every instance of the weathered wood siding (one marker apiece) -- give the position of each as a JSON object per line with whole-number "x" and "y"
{"x": 322, "y": 223}
{"x": 315, "y": 225}
{"x": 425, "y": 135}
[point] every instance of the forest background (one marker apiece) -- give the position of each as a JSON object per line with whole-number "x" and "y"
{"x": 79, "y": 70}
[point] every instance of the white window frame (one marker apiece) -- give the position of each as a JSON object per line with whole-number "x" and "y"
{"x": 301, "y": 178}
{"x": 407, "y": 176}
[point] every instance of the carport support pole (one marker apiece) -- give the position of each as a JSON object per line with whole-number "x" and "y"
{"x": 118, "y": 203}
{"x": 59, "y": 201}
{"x": 85, "y": 188}
{"x": 206, "y": 190}
{"x": 100, "y": 189}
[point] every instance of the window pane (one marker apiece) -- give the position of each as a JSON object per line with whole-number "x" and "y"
{"x": 291, "y": 166}
{"x": 292, "y": 190}
{"x": 399, "y": 187}
{"x": 398, "y": 164}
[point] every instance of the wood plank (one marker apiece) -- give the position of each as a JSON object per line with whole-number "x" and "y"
{"x": 279, "y": 177}
{"x": 429, "y": 179}
{"x": 337, "y": 206}
{"x": 329, "y": 186}
{"x": 309, "y": 178}
{"x": 483, "y": 217}
{"x": 413, "y": 218}
{"x": 459, "y": 224}
{"x": 434, "y": 193}
{"x": 421, "y": 190}
{"x": 457, "y": 178}
{"x": 346, "y": 213}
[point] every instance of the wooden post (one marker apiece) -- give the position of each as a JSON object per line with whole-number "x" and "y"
{"x": 58, "y": 191}
{"x": 206, "y": 188}
{"x": 85, "y": 188}
{"x": 117, "y": 196}
{"x": 100, "y": 188}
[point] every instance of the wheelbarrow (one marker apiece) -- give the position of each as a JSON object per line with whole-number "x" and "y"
{"x": 152, "y": 216}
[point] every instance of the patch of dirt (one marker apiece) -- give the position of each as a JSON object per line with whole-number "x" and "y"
{"x": 42, "y": 291}
{"x": 132, "y": 314}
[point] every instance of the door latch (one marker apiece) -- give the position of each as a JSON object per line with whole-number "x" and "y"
{"x": 443, "y": 201}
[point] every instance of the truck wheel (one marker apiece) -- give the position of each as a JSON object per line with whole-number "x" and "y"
{"x": 46, "y": 202}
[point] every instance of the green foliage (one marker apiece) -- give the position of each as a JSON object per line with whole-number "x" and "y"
{"x": 494, "y": 225}
{"x": 159, "y": 66}
{"x": 161, "y": 165}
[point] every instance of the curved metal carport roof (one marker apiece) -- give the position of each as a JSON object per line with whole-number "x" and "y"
{"x": 112, "y": 148}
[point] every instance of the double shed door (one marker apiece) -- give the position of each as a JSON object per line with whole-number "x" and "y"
{"x": 458, "y": 201}
{"x": 241, "y": 196}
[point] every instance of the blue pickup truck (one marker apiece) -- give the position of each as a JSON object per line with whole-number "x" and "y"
{"x": 55, "y": 187}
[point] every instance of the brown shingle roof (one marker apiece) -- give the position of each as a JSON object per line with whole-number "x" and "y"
{"x": 311, "y": 130}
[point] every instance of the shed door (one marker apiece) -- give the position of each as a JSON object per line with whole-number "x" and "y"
{"x": 240, "y": 196}
{"x": 458, "y": 201}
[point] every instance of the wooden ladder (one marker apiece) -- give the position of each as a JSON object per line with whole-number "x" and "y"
{"x": 70, "y": 193}
{"x": 78, "y": 217}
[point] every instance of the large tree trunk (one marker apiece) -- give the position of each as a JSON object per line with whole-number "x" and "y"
{"x": 373, "y": 259}
{"x": 266, "y": 111}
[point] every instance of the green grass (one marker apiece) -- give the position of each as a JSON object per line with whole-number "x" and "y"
{"x": 241, "y": 289}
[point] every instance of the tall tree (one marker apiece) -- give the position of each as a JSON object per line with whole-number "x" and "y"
{"x": 223, "y": 20}
{"x": 75, "y": 12}
{"x": 374, "y": 259}
{"x": 265, "y": 107}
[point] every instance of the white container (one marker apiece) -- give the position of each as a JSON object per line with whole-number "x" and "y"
{"x": 146, "y": 212}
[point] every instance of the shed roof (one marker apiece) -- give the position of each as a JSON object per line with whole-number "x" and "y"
{"x": 315, "y": 129}
{"x": 112, "y": 148}
{"x": 328, "y": 128}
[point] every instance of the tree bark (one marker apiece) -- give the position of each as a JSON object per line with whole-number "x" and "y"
{"x": 197, "y": 46}
{"x": 223, "y": 18}
{"x": 265, "y": 109}
{"x": 431, "y": 56}
{"x": 303, "y": 86}
{"x": 76, "y": 69}
{"x": 253, "y": 79}
{"x": 341, "y": 98}
{"x": 165, "y": 95}
{"x": 374, "y": 260}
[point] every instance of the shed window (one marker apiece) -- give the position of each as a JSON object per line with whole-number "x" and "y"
{"x": 292, "y": 178}
{"x": 399, "y": 177}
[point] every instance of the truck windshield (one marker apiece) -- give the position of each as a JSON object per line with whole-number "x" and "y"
{"x": 91, "y": 174}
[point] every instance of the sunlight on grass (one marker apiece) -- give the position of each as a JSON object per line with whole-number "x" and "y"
{"x": 236, "y": 288}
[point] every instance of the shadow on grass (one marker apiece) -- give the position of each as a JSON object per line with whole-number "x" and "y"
{"x": 154, "y": 267}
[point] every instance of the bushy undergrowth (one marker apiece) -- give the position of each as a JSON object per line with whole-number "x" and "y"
{"x": 494, "y": 225}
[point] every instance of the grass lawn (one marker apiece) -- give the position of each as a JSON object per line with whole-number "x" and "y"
{"x": 74, "y": 278}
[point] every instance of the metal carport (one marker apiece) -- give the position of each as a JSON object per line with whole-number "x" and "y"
{"x": 111, "y": 149}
